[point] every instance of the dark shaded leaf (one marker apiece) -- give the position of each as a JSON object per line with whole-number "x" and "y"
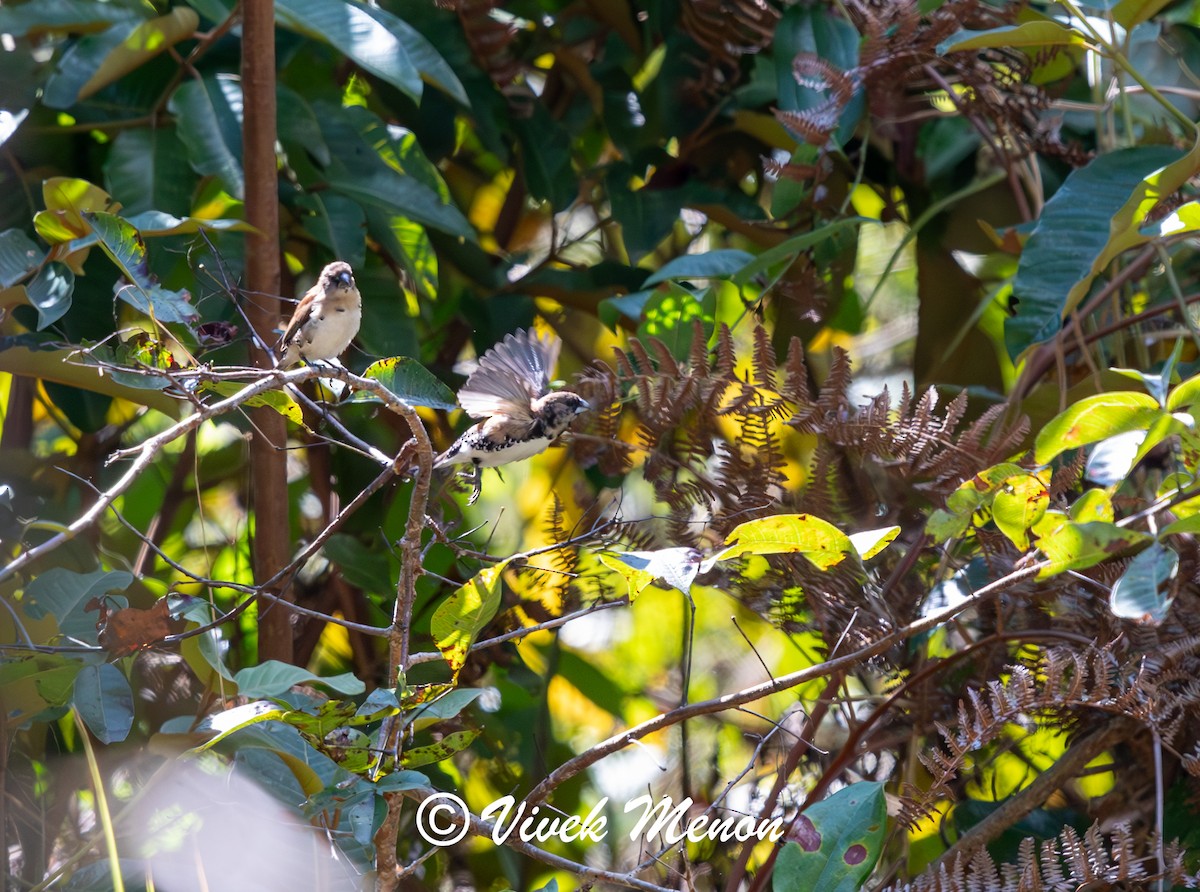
{"x": 105, "y": 702}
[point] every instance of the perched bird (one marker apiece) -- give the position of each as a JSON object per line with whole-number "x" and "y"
{"x": 326, "y": 319}
{"x": 510, "y": 390}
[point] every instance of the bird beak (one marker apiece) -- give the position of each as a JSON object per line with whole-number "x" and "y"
{"x": 584, "y": 407}
{"x": 345, "y": 280}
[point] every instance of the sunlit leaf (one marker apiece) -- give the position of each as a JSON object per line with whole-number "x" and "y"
{"x": 1019, "y": 503}
{"x": 143, "y": 43}
{"x": 410, "y": 381}
{"x": 458, "y": 620}
{"x": 1095, "y": 418}
{"x": 823, "y": 544}
{"x": 834, "y": 844}
{"x": 124, "y": 246}
{"x": 454, "y": 742}
{"x": 1076, "y": 546}
{"x": 1028, "y": 34}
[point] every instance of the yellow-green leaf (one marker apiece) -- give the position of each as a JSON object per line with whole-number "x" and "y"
{"x": 1020, "y": 502}
{"x": 1076, "y": 546}
{"x": 823, "y": 544}
{"x": 458, "y": 621}
{"x": 1095, "y": 418}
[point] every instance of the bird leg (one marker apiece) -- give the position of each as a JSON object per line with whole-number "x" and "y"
{"x": 476, "y": 483}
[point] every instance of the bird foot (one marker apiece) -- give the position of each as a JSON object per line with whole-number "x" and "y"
{"x": 476, "y": 484}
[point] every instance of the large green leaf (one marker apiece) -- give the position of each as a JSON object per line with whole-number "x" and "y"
{"x": 1095, "y": 418}
{"x": 1076, "y": 546}
{"x": 815, "y": 30}
{"x": 376, "y": 40}
{"x": 338, "y": 223}
{"x": 147, "y": 170}
{"x": 410, "y": 381}
{"x": 50, "y": 293}
{"x": 720, "y": 264}
{"x": 124, "y": 246}
{"x": 272, "y": 678}
{"x": 458, "y": 620}
{"x": 105, "y": 702}
{"x": 209, "y": 114}
{"x": 20, "y": 356}
{"x": 1042, "y": 32}
{"x": 1141, "y": 593}
{"x": 360, "y": 170}
{"x": 837, "y": 842}
{"x": 823, "y": 544}
{"x": 144, "y": 42}
{"x": 71, "y": 16}
{"x": 19, "y": 256}
{"x": 1075, "y": 235}
{"x": 60, "y": 591}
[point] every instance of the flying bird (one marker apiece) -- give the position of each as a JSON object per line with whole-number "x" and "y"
{"x": 326, "y": 319}
{"x": 510, "y": 390}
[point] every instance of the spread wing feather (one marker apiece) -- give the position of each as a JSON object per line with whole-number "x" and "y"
{"x": 511, "y": 376}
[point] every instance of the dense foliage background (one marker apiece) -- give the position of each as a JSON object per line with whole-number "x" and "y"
{"x": 883, "y": 522}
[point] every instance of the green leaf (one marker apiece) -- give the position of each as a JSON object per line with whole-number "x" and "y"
{"x": 450, "y": 744}
{"x": 278, "y": 400}
{"x": 434, "y": 69}
{"x": 1019, "y": 503}
{"x": 677, "y": 567}
{"x": 1131, "y": 13}
{"x": 785, "y": 253}
{"x": 823, "y": 544}
{"x": 1141, "y": 592}
{"x": 152, "y": 224}
{"x": 105, "y": 702}
{"x": 399, "y": 781}
{"x": 1086, "y": 220}
{"x": 60, "y": 591}
{"x": 457, "y": 621}
{"x": 1095, "y": 504}
{"x": 81, "y": 60}
{"x": 338, "y": 223}
{"x": 124, "y": 246}
{"x": 367, "y": 568}
{"x": 144, "y": 42}
{"x": 50, "y": 292}
{"x": 669, "y": 315}
{"x": 720, "y": 264}
{"x": 299, "y": 129}
{"x": 838, "y": 842}
{"x": 67, "y": 16}
{"x": 1095, "y": 418}
{"x": 209, "y": 114}
{"x": 1184, "y": 396}
{"x": 818, "y": 31}
{"x": 273, "y": 678}
{"x": 19, "y": 257}
{"x": 147, "y": 169}
{"x": 445, "y": 707}
{"x": 410, "y": 381}
{"x": 1076, "y": 546}
{"x": 375, "y": 40}
{"x": 1042, "y": 32}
